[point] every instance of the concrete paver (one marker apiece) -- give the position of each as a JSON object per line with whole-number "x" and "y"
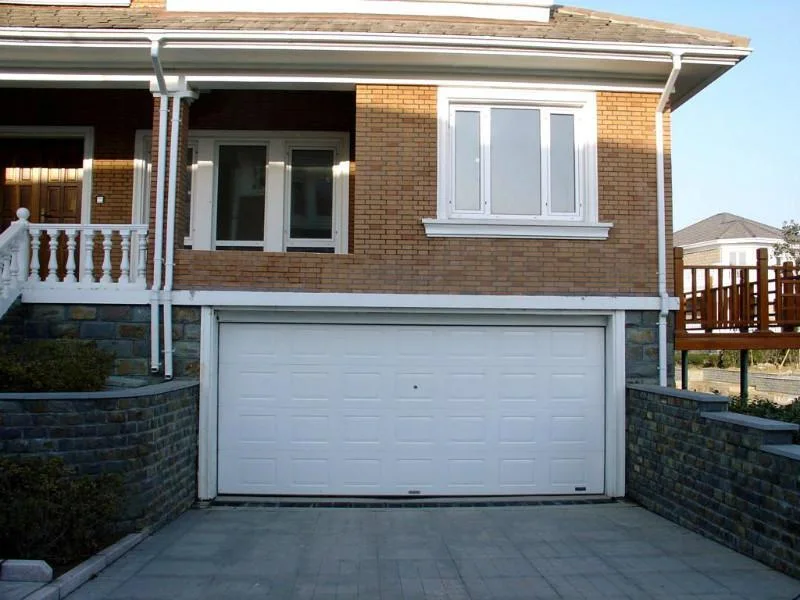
{"x": 614, "y": 551}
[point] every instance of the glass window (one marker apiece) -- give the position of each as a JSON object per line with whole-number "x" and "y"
{"x": 241, "y": 193}
{"x": 467, "y": 160}
{"x": 515, "y": 147}
{"x": 562, "y": 163}
{"x": 311, "y": 195}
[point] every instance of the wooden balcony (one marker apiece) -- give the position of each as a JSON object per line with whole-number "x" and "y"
{"x": 751, "y": 307}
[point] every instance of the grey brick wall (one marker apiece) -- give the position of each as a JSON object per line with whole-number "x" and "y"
{"x": 147, "y": 434}
{"x": 641, "y": 347}
{"x": 121, "y": 329}
{"x": 731, "y": 477}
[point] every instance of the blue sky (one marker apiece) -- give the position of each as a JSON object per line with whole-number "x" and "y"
{"x": 736, "y": 145}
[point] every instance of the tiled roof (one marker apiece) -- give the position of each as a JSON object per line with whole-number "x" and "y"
{"x": 723, "y": 226}
{"x": 567, "y": 23}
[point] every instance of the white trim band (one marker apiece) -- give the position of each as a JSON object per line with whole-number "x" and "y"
{"x": 443, "y": 302}
{"x": 499, "y": 229}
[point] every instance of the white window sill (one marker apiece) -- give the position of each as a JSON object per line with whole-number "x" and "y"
{"x": 555, "y": 230}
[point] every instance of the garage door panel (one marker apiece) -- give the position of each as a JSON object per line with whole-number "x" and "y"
{"x": 399, "y": 410}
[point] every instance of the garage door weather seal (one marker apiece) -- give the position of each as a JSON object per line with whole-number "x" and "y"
{"x": 452, "y": 502}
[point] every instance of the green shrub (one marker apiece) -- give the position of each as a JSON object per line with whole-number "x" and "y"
{"x": 47, "y": 512}
{"x": 53, "y": 366}
{"x": 767, "y": 409}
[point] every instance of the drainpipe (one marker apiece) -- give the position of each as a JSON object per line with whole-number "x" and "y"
{"x": 155, "y": 292}
{"x": 171, "y": 206}
{"x": 662, "y": 220}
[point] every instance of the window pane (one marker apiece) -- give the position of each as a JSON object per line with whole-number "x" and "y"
{"x": 467, "y": 160}
{"x": 312, "y": 195}
{"x": 562, "y": 163}
{"x": 187, "y": 199}
{"x": 516, "y": 162}
{"x": 241, "y": 191}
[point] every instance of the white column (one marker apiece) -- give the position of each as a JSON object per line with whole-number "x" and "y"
{"x": 52, "y": 264}
{"x": 88, "y": 257}
{"x": 69, "y": 277}
{"x": 141, "y": 264}
{"x": 125, "y": 263}
{"x": 106, "y": 278}
{"x": 35, "y": 243}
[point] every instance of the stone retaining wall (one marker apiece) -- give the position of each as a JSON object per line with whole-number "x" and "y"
{"x": 731, "y": 477}
{"x": 121, "y": 329}
{"x": 147, "y": 434}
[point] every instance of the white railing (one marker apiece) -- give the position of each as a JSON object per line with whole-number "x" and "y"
{"x": 13, "y": 263}
{"x": 54, "y": 256}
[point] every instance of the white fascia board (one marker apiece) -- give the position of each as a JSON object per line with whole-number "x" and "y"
{"x": 415, "y": 302}
{"x": 719, "y": 243}
{"x": 250, "y": 39}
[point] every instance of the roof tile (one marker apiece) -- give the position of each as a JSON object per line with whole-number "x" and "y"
{"x": 567, "y": 23}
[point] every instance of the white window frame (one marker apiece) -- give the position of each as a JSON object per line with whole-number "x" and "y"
{"x": 192, "y": 143}
{"x": 338, "y": 190}
{"x": 204, "y": 185}
{"x": 583, "y": 224}
{"x": 221, "y": 244}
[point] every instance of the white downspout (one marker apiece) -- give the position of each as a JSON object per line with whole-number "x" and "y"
{"x": 171, "y": 207}
{"x": 662, "y": 220}
{"x": 155, "y": 293}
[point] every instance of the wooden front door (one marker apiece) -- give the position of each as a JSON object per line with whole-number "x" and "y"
{"x": 43, "y": 175}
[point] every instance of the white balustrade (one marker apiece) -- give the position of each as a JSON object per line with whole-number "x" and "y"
{"x": 13, "y": 260}
{"x": 69, "y": 253}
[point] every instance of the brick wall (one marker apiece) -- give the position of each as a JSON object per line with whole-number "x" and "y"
{"x": 121, "y": 329}
{"x": 115, "y": 116}
{"x": 395, "y": 144}
{"x": 148, "y": 435}
{"x": 733, "y": 478}
{"x": 705, "y": 257}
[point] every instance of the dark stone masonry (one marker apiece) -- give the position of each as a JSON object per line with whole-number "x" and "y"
{"x": 121, "y": 329}
{"x": 147, "y": 434}
{"x": 641, "y": 347}
{"x": 731, "y": 477}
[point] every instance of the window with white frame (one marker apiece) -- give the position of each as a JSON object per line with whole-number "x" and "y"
{"x": 517, "y": 163}
{"x": 269, "y": 191}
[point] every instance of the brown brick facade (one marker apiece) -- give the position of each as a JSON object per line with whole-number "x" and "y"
{"x": 395, "y": 149}
{"x": 394, "y": 144}
{"x": 703, "y": 257}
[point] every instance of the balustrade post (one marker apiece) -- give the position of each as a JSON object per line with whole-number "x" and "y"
{"x": 52, "y": 263}
{"x": 141, "y": 261}
{"x": 23, "y": 250}
{"x": 708, "y": 303}
{"x": 69, "y": 276}
{"x": 680, "y": 318}
{"x": 125, "y": 263}
{"x": 5, "y": 275}
{"x": 106, "y": 278}
{"x": 789, "y": 291}
{"x": 88, "y": 257}
{"x": 762, "y": 288}
{"x": 36, "y": 235}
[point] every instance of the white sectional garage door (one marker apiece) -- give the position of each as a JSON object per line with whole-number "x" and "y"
{"x": 337, "y": 409}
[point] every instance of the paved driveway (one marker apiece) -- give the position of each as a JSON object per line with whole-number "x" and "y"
{"x": 531, "y": 552}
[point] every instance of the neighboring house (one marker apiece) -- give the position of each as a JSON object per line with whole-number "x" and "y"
{"x": 726, "y": 239}
{"x": 414, "y": 247}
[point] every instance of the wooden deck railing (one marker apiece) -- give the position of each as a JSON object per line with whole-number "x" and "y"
{"x": 744, "y": 301}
